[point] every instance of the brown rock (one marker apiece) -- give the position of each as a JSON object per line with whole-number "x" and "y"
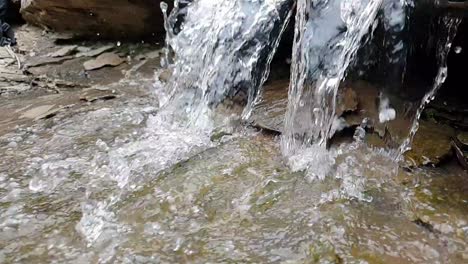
{"x": 90, "y": 52}
{"x": 269, "y": 113}
{"x": 97, "y": 18}
{"x": 105, "y": 59}
{"x": 431, "y": 145}
{"x": 347, "y": 101}
{"x": 92, "y": 95}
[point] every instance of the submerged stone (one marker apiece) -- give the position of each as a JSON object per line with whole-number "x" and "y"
{"x": 431, "y": 145}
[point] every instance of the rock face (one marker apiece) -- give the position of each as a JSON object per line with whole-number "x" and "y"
{"x": 97, "y": 18}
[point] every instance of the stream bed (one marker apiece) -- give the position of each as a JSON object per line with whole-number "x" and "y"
{"x": 110, "y": 182}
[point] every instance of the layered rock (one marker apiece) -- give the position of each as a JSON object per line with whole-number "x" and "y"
{"x": 97, "y": 18}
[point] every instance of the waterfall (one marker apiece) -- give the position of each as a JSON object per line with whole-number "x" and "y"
{"x": 327, "y": 37}
{"x": 223, "y": 48}
{"x": 443, "y": 49}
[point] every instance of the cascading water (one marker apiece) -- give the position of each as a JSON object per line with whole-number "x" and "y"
{"x": 125, "y": 181}
{"x": 219, "y": 48}
{"x": 223, "y": 48}
{"x": 328, "y": 35}
{"x": 450, "y": 25}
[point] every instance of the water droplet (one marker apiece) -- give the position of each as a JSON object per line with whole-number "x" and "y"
{"x": 119, "y": 43}
{"x": 458, "y": 49}
{"x": 163, "y": 6}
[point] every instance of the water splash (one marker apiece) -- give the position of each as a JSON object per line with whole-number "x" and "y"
{"x": 328, "y": 35}
{"x": 444, "y": 46}
{"x": 224, "y": 48}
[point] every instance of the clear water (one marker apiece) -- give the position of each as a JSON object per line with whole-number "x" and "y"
{"x": 135, "y": 180}
{"x": 444, "y": 47}
{"x": 224, "y": 48}
{"x": 109, "y": 183}
{"x": 327, "y": 37}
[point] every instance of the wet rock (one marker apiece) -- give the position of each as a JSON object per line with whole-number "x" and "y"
{"x": 92, "y": 95}
{"x": 269, "y": 113}
{"x": 394, "y": 131}
{"x": 105, "y": 59}
{"x": 165, "y": 75}
{"x": 461, "y": 152}
{"x": 463, "y": 139}
{"x": 37, "y": 112}
{"x": 347, "y": 101}
{"x": 97, "y": 18}
{"x": 431, "y": 145}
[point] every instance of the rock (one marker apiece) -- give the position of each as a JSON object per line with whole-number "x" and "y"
{"x": 347, "y": 101}
{"x": 396, "y": 129}
{"x": 65, "y": 51}
{"x": 165, "y": 75}
{"x": 269, "y": 113}
{"x": 461, "y": 155}
{"x": 105, "y": 59}
{"x": 89, "y": 52}
{"x": 431, "y": 145}
{"x": 92, "y": 95}
{"x": 40, "y": 61}
{"x": 37, "y": 112}
{"x": 4, "y": 53}
{"x": 97, "y": 18}
{"x": 463, "y": 140}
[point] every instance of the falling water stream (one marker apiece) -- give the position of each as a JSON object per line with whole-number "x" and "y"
{"x": 328, "y": 35}
{"x": 225, "y": 48}
{"x": 179, "y": 179}
{"x": 450, "y": 25}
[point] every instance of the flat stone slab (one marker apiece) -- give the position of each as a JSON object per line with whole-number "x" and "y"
{"x": 105, "y": 59}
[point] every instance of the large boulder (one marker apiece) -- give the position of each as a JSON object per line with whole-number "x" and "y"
{"x": 97, "y": 18}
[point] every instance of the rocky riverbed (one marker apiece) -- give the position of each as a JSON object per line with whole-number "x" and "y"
{"x": 91, "y": 171}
